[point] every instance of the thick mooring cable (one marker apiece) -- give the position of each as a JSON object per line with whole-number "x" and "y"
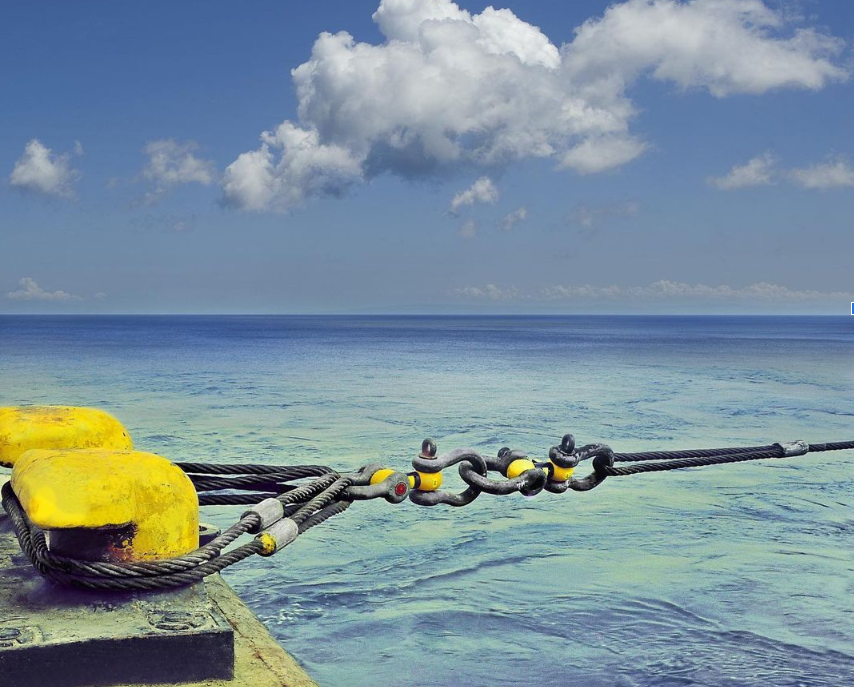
{"x": 288, "y": 500}
{"x": 309, "y": 505}
{"x": 690, "y": 453}
{"x": 691, "y": 462}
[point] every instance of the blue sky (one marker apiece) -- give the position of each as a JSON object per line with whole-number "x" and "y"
{"x": 661, "y": 157}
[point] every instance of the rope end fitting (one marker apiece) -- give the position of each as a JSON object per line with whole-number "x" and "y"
{"x": 385, "y": 483}
{"x": 793, "y": 448}
{"x": 277, "y": 536}
{"x": 269, "y": 511}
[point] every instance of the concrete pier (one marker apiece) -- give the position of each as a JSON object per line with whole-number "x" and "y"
{"x": 52, "y": 636}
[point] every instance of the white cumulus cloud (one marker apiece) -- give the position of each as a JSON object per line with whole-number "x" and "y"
{"x": 589, "y": 216}
{"x": 759, "y": 171}
{"x": 601, "y": 153}
{"x": 40, "y": 170}
{"x": 511, "y": 220}
{"x": 834, "y": 173}
{"x": 30, "y": 291}
{"x": 291, "y": 165}
{"x": 481, "y": 191}
{"x": 450, "y": 90}
{"x": 468, "y": 229}
{"x": 172, "y": 163}
{"x": 725, "y": 46}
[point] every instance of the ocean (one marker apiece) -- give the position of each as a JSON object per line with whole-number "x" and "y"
{"x": 720, "y": 576}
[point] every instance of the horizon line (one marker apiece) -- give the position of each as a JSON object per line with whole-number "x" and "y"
{"x": 414, "y": 314}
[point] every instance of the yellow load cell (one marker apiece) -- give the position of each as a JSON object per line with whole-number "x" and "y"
{"x": 100, "y": 504}
{"x": 58, "y": 427}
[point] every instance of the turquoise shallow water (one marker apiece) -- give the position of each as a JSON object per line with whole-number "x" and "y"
{"x": 735, "y": 575}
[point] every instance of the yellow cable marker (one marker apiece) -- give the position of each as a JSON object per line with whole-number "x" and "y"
{"x": 380, "y": 475}
{"x": 518, "y": 466}
{"x": 24, "y": 428}
{"x": 560, "y": 474}
{"x": 430, "y": 481}
{"x": 268, "y": 542}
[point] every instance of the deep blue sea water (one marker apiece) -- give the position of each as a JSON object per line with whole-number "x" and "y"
{"x": 722, "y": 576}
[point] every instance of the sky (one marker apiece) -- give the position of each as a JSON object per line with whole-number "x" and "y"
{"x": 426, "y": 156}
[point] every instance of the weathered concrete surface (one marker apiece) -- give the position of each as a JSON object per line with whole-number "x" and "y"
{"x": 62, "y": 637}
{"x": 56, "y": 637}
{"x": 258, "y": 660}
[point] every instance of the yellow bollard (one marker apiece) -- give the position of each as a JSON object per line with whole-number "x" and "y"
{"x": 24, "y": 428}
{"x": 100, "y": 504}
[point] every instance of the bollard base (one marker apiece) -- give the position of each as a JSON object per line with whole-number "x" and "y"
{"x": 51, "y": 635}
{"x": 199, "y": 636}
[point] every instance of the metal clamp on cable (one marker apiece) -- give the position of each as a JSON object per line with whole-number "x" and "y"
{"x": 603, "y": 459}
{"x": 268, "y": 511}
{"x": 362, "y": 477}
{"x": 793, "y": 448}
{"x": 277, "y": 536}
{"x": 428, "y": 468}
{"x": 385, "y": 483}
{"x": 563, "y": 460}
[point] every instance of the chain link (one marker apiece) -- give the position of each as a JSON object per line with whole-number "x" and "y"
{"x": 521, "y": 473}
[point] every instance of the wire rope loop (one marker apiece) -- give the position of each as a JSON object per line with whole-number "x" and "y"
{"x": 288, "y": 510}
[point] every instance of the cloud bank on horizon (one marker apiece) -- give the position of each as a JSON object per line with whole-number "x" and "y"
{"x": 450, "y": 91}
{"x": 662, "y": 290}
{"x": 29, "y": 290}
